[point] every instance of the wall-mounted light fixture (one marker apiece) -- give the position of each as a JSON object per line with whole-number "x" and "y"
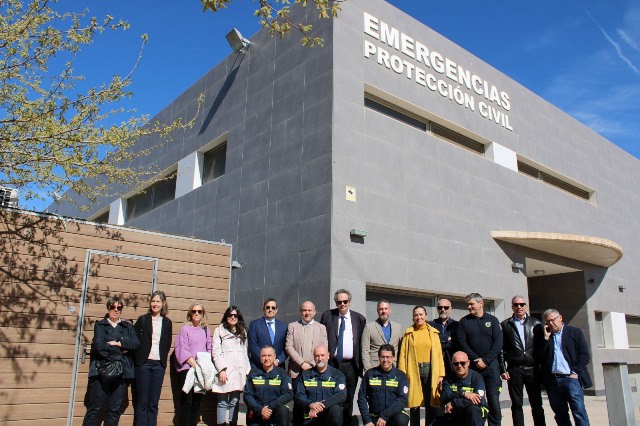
{"x": 358, "y": 233}
{"x": 236, "y": 41}
{"x": 517, "y": 266}
{"x": 236, "y": 265}
{"x": 539, "y": 272}
{"x": 621, "y": 288}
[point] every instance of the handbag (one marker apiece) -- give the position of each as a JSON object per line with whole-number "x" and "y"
{"x": 110, "y": 371}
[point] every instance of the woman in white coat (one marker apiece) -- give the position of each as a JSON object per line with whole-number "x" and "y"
{"x": 231, "y": 361}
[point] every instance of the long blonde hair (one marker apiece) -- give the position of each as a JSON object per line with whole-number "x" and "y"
{"x": 203, "y": 321}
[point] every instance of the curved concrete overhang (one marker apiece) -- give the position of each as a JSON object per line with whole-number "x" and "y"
{"x": 594, "y": 250}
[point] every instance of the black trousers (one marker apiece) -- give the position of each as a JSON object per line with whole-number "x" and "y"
{"x": 430, "y": 412}
{"x": 398, "y": 419}
{"x": 100, "y": 394}
{"x": 189, "y": 403}
{"x": 528, "y": 378}
{"x": 348, "y": 368}
{"x": 279, "y": 417}
{"x": 329, "y": 417}
{"x": 469, "y": 416}
{"x": 493, "y": 383}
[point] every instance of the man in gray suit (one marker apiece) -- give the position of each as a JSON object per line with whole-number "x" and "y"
{"x": 380, "y": 332}
{"x": 302, "y": 337}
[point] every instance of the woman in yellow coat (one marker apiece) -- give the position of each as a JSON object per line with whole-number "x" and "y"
{"x": 421, "y": 360}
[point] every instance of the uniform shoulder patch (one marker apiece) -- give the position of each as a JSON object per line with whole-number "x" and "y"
{"x": 481, "y": 392}
{"x": 341, "y": 386}
{"x": 290, "y": 387}
{"x": 405, "y": 390}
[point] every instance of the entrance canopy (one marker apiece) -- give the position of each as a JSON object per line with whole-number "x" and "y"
{"x": 594, "y": 250}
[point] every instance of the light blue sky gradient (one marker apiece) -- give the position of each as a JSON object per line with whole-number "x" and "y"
{"x": 581, "y": 55}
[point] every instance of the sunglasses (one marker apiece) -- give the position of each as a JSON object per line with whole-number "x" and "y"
{"x": 232, "y": 316}
{"x": 114, "y": 307}
{"x": 197, "y": 311}
{"x": 444, "y": 308}
{"x": 519, "y": 305}
{"x": 459, "y": 364}
{"x": 271, "y": 308}
{"x": 341, "y": 302}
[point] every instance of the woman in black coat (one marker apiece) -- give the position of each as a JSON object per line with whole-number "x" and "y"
{"x": 154, "y": 331}
{"x": 113, "y": 340}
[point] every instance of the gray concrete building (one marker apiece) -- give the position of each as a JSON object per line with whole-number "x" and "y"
{"x": 395, "y": 164}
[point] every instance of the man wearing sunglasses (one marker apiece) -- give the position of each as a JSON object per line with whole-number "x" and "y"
{"x": 447, "y": 327}
{"x": 267, "y": 330}
{"x": 520, "y": 335}
{"x": 564, "y": 355}
{"x": 463, "y": 395}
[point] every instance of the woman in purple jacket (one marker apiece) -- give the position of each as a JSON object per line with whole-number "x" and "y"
{"x": 193, "y": 337}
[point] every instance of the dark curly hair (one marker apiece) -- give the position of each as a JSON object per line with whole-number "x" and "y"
{"x": 241, "y": 330}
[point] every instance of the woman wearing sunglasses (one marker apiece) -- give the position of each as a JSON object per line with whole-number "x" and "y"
{"x": 231, "y": 361}
{"x": 154, "y": 333}
{"x": 193, "y": 337}
{"x": 113, "y": 341}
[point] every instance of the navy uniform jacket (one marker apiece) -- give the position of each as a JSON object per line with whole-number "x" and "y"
{"x": 453, "y": 387}
{"x": 329, "y": 388}
{"x": 382, "y": 394}
{"x": 272, "y": 389}
{"x": 480, "y": 337}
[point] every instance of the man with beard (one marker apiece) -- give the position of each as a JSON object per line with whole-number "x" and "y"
{"x": 321, "y": 391}
{"x": 447, "y": 327}
{"x": 380, "y": 332}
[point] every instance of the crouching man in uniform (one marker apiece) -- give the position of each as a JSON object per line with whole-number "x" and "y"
{"x": 463, "y": 394}
{"x": 384, "y": 392}
{"x": 267, "y": 391}
{"x": 321, "y": 391}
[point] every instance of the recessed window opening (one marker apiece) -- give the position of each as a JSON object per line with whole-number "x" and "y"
{"x": 153, "y": 197}
{"x": 214, "y": 163}
{"x": 456, "y": 138}
{"x": 547, "y": 178}
{"x": 102, "y": 218}
{"x": 395, "y": 114}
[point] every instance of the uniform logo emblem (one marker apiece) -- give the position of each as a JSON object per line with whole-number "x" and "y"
{"x": 487, "y": 324}
{"x": 406, "y": 390}
{"x": 290, "y": 387}
{"x": 341, "y": 386}
{"x": 481, "y": 393}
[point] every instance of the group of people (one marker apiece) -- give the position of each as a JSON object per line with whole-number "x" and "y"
{"x": 454, "y": 369}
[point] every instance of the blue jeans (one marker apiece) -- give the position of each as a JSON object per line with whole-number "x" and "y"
{"x": 228, "y": 402}
{"x": 563, "y": 391}
{"x": 149, "y": 377}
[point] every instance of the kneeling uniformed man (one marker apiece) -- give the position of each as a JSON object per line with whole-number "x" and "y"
{"x": 384, "y": 392}
{"x": 267, "y": 391}
{"x": 463, "y": 394}
{"x": 321, "y": 391}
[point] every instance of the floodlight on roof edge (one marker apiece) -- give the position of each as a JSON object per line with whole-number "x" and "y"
{"x": 236, "y": 41}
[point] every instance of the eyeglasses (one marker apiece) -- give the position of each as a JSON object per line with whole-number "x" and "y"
{"x": 271, "y": 308}
{"x": 459, "y": 364}
{"x": 552, "y": 319}
{"x": 232, "y": 316}
{"x": 444, "y": 308}
{"x": 197, "y": 311}
{"x": 114, "y": 307}
{"x": 519, "y": 305}
{"x": 342, "y": 302}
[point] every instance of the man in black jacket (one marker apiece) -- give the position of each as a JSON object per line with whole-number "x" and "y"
{"x": 564, "y": 355}
{"x": 517, "y": 365}
{"x": 480, "y": 337}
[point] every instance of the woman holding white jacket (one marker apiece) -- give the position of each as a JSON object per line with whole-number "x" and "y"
{"x": 231, "y": 361}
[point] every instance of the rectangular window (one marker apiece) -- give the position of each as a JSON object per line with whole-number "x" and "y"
{"x": 214, "y": 163}
{"x": 456, "y": 138}
{"x": 395, "y": 114}
{"x": 103, "y": 218}
{"x": 633, "y": 331}
{"x": 154, "y": 196}
{"x": 600, "y": 329}
{"x": 549, "y": 179}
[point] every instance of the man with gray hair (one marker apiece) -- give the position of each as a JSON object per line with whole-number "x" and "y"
{"x": 480, "y": 337}
{"x": 564, "y": 354}
{"x": 344, "y": 332}
{"x": 520, "y": 335}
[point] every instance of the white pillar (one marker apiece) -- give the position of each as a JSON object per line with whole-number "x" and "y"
{"x": 189, "y": 173}
{"x": 503, "y": 156}
{"x": 615, "y": 330}
{"x": 116, "y": 212}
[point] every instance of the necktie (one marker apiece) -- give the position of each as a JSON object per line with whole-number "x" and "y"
{"x": 339, "y": 355}
{"x": 272, "y": 334}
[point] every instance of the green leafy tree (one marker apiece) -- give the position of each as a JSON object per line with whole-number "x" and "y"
{"x": 274, "y": 15}
{"x": 53, "y": 136}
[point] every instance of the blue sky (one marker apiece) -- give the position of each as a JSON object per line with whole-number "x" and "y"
{"x": 581, "y": 55}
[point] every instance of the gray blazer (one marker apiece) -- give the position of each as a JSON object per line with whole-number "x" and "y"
{"x": 294, "y": 341}
{"x": 372, "y": 339}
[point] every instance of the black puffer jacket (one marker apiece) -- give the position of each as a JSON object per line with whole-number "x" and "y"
{"x": 124, "y": 333}
{"x": 512, "y": 353}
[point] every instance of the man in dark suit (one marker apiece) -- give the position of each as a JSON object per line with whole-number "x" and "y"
{"x": 564, "y": 356}
{"x": 344, "y": 332}
{"x": 267, "y": 331}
